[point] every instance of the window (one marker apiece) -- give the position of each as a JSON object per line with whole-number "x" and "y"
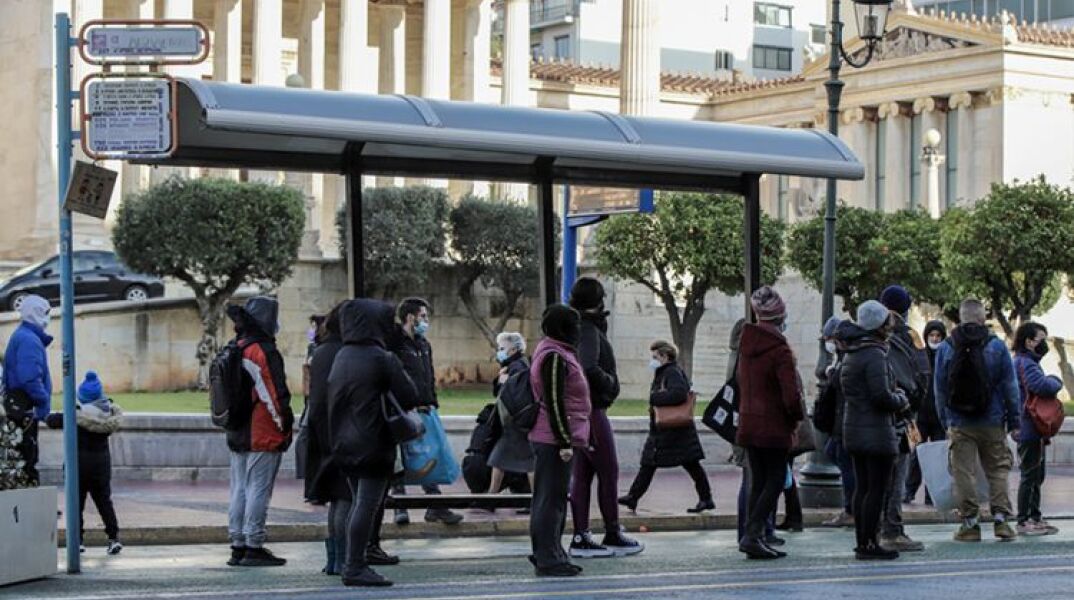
{"x": 772, "y": 57}
{"x": 772, "y": 15}
{"x": 879, "y": 157}
{"x": 951, "y": 164}
{"x": 818, "y": 34}
{"x": 537, "y": 51}
{"x": 916, "y": 144}
{"x": 725, "y": 61}
{"x": 563, "y": 47}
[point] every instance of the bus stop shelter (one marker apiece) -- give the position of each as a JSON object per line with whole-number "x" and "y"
{"x": 289, "y": 129}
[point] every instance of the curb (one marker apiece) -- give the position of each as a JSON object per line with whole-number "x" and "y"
{"x": 315, "y": 532}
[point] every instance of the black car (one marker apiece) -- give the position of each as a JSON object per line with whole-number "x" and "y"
{"x": 99, "y": 277}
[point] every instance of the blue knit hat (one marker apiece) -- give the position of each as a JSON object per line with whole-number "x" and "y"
{"x": 896, "y": 299}
{"x": 828, "y": 331}
{"x": 872, "y": 315}
{"x": 91, "y": 389}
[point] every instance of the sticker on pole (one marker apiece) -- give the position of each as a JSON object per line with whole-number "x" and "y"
{"x": 90, "y": 190}
{"x": 128, "y": 118}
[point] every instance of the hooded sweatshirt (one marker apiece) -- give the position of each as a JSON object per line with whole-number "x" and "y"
{"x": 26, "y": 373}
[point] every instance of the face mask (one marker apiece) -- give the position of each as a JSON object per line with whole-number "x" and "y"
{"x": 421, "y": 328}
{"x": 1042, "y": 348}
{"x": 830, "y": 347}
{"x": 783, "y": 327}
{"x": 654, "y": 364}
{"x": 501, "y": 356}
{"x": 311, "y": 335}
{"x": 935, "y": 345}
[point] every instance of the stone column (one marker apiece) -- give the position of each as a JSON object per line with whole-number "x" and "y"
{"x": 476, "y": 77}
{"x": 227, "y": 52}
{"x": 961, "y": 109}
{"x": 897, "y": 165}
{"x": 516, "y": 54}
{"x": 436, "y": 53}
{"x": 639, "y": 58}
{"x": 358, "y": 68}
{"x": 311, "y": 55}
{"x": 855, "y": 132}
{"x": 267, "y": 54}
{"x": 135, "y": 178}
{"x": 392, "y": 47}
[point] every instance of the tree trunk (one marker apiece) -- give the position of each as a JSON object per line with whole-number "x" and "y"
{"x": 466, "y": 294}
{"x": 211, "y": 312}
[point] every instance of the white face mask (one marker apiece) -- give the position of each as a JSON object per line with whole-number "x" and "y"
{"x": 935, "y": 345}
{"x": 654, "y": 364}
{"x": 830, "y": 347}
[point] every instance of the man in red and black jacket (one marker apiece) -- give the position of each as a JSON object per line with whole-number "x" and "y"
{"x": 257, "y": 448}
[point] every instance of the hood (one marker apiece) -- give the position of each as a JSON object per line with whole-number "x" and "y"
{"x": 264, "y": 313}
{"x": 971, "y": 332}
{"x": 856, "y": 338}
{"x": 934, "y": 326}
{"x": 366, "y": 321}
{"x": 35, "y": 310}
{"x": 758, "y": 339}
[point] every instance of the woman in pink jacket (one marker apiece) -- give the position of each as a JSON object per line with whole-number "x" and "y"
{"x": 562, "y": 394}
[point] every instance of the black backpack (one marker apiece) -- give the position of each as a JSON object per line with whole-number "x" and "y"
{"x": 826, "y": 405}
{"x": 517, "y": 397}
{"x": 967, "y": 379}
{"x": 475, "y": 469}
{"x": 229, "y": 394}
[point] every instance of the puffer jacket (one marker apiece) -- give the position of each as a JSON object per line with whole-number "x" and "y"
{"x": 271, "y": 420}
{"x": 872, "y": 400}
{"x": 1032, "y": 378}
{"x": 363, "y": 372}
{"x": 562, "y": 394}
{"x": 598, "y": 360}
{"x": 1004, "y": 408}
{"x": 416, "y": 354}
{"x": 324, "y": 482}
{"x": 770, "y": 389}
{"x": 26, "y": 367}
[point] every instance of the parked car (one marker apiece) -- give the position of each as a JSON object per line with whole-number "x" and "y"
{"x": 98, "y": 275}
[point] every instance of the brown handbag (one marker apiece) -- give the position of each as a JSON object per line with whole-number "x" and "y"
{"x": 675, "y": 417}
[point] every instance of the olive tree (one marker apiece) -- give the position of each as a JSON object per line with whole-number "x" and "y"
{"x": 213, "y": 235}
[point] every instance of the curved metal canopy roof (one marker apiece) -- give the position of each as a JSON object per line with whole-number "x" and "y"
{"x": 259, "y": 127}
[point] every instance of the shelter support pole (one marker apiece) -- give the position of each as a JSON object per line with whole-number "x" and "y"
{"x": 751, "y": 191}
{"x": 64, "y": 140}
{"x": 570, "y": 249}
{"x": 355, "y": 234}
{"x": 546, "y": 235}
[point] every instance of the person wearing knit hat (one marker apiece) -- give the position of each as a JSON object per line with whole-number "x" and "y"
{"x": 896, "y": 299}
{"x": 928, "y": 422}
{"x": 768, "y": 305}
{"x": 873, "y": 315}
{"x": 97, "y": 420}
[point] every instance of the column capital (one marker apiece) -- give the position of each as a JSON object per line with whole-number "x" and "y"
{"x": 923, "y": 105}
{"x": 960, "y": 100}
{"x": 998, "y": 95}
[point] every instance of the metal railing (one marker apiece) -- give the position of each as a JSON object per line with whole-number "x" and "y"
{"x": 552, "y": 11}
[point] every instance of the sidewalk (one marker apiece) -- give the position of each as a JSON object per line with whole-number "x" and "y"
{"x": 158, "y": 512}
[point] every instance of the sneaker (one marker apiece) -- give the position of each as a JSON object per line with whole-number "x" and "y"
{"x": 583, "y": 546}
{"x": 366, "y": 578}
{"x": 702, "y": 506}
{"x": 968, "y": 533}
{"x": 402, "y": 517}
{"x": 237, "y": 554}
{"x": 843, "y": 519}
{"x": 620, "y": 544}
{"x": 629, "y": 502}
{"x": 1004, "y": 532}
{"x": 1049, "y": 529}
{"x": 114, "y": 547}
{"x": 442, "y": 515}
{"x": 81, "y": 549}
{"x": 901, "y": 543}
{"x": 1030, "y": 529}
{"x": 375, "y": 555}
{"x": 261, "y": 557}
{"x": 874, "y": 552}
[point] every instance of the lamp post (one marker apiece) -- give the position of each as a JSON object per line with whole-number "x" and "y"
{"x": 930, "y": 155}
{"x": 820, "y": 479}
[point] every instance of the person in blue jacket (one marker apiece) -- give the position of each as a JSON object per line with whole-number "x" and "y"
{"x": 27, "y": 383}
{"x": 1030, "y": 346}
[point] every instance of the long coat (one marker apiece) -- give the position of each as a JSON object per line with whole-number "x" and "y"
{"x": 670, "y": 447}
{"x": 871, "y": 397}
{"x": 324, "y": 481}
{"x": 770, "y": 388}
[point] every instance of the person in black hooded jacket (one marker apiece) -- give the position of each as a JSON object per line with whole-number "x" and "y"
{"x": 928, "y": 422}
{"x": 363, "y": 373}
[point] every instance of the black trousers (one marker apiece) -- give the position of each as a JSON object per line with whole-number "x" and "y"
{"x": 934, "y": 433}
{"x": 548, "y": 512}
{"x": 368, "y": 498}
{"x": 644, "y": 478}
{"x": 768, "y": 473}
{"x": 792, "y": 503}
{"x": 28, "y": 449}
{"x": 872, "y": 474}
{"x": 95, "y": 480}
{"x": 1031, "y": 457}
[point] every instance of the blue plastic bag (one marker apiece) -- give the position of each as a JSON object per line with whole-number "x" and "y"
{"x": 429, "y": 459}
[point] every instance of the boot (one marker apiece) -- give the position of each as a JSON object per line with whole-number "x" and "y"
{"x": 629, "y": 502}
{"x": 756, "y": 550}
{"x": 331, "y": 566}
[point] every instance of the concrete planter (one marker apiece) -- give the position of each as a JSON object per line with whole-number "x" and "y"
{"x": 28, "y": 531}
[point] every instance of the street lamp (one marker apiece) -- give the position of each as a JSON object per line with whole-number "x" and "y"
{"x": 820, "y": 478}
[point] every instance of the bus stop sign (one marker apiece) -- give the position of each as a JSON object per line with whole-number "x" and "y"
{"x": 128, "y": 117}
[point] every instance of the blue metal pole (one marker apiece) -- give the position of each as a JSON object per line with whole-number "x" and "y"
{"x": 570, "y": 249}
{"x": 63, "y": 175}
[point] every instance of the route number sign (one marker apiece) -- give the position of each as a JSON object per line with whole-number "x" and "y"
{"x": 124, "y": 42}
{"x": 129, "y": 116}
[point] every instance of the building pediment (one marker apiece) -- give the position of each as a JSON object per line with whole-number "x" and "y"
{"x": 905, "y": 42}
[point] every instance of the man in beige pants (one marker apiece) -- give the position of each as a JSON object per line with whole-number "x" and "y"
{"x": 978, "y": 402}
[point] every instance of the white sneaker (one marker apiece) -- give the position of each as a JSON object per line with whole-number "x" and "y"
{"x": 114, "y": 547}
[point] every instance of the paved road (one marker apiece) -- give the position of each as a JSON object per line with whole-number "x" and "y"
{"x": 675, "y": 565}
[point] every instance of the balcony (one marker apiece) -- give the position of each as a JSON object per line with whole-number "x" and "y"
{"x": 548, "y": 13}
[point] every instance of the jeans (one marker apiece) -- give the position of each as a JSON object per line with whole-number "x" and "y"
{"x": 768, "y": 473}
{"x": 743, "y": 508}
{"x": 701, "y": 481}
{"x": 989, "y": 445}
{"x": 600, "y": 462}
{"x": 872, "y": 474}
{"x": 1031, "y": 455}
{"x": 548, "y": 511}
{"x": 891, "y": 523}
{"x": 368, "y": 496}
{"x": 253, "y": 475}
{"x": 95, "y": 479}
{"x": 839, "y": 455}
